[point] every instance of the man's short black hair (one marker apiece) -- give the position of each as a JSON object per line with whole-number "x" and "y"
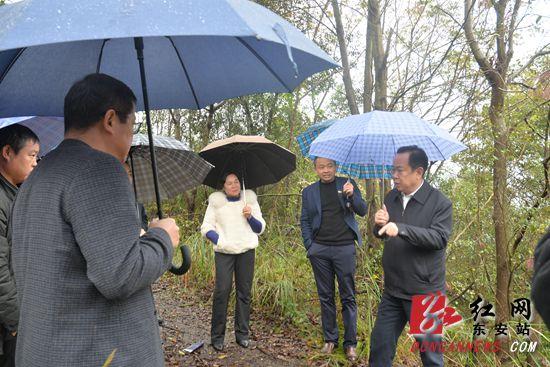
{"x": 90, "y": 98}
{"x": 16, "y": 136}
{"x": 315, "y": 161}
{"x": 417, "y": 157}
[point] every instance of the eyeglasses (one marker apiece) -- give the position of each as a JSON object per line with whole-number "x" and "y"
{"x": 136, "y": 128}
{"x": 397, "y": 171}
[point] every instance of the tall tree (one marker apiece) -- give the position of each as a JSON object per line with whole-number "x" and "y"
{"x": 348, "y": 84}
{"x": 495, "y": 69}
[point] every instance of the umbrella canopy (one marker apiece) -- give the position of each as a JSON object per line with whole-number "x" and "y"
{"x": 179, "y": 168}
{"x": 49, "y": 130}
{"x": 363, "y": 171}
{"x": 374, "y": 137}
{"x": 257, "y": 160}
{"x": 195, "y": 52}
{"x": 183, "y": 54}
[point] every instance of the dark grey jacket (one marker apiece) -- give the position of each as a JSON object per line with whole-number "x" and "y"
{"x": 9, "y": 312}
{"x": 414, "y": 261}
{"x": 83, "y": 274}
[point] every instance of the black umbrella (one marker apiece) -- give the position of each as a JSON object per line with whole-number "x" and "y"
{"x": 257, "y": 160}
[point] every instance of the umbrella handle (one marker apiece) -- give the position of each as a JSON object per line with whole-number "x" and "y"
{"x": 244, "y": 192}
{"x": 185, "y": 262}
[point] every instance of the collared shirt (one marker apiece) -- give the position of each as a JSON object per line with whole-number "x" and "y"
{"x": 406, "y": 198}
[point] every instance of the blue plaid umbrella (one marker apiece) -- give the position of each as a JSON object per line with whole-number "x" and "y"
{"x": 48, "y": 129}
{"x": 363, "y": 171}
{"x": 374, "y": 137}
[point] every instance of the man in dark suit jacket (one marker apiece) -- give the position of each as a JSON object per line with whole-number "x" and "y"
{"x": 416, "y": 224}
{"x": 329, "y": 232}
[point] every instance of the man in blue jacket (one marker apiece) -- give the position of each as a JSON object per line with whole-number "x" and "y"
{"x": 329, "y": 232}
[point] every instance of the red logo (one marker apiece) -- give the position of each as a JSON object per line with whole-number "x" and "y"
{"x": 429, "y": 313}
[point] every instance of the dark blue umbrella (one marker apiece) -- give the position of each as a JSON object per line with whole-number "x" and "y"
{"x": 182, "y": 54}
{"x": 196, "y": 52}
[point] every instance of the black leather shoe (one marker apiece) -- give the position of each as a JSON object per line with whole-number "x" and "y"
{"x": 245, "y": 343}
{"x": 217, "y": 346}
{"x": 328, "y": 348}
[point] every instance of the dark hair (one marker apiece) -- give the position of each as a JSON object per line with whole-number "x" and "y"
{"x": 315, "y": 161}
{"x": 224, "y": 177}
{"x": 417, "y": 157}
{"x": 90, "y": 98}
{"x": 16, "y": 136}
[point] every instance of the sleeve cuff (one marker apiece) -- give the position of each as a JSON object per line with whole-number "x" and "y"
{"x": 212, "y": 236}
{"x": 255, "y": 224}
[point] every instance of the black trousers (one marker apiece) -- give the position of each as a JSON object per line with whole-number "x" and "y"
{"x": 328, "y": 262}
{"x": 393, "y": 315}
{"x": 242, "y": 266}
{"x": 8, "y": 358}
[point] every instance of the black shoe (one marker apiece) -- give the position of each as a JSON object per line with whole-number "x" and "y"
{"x": 217, "y": 346}
{"x": 245, "y": 343}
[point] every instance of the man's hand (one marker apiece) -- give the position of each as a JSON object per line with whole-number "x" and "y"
{"x": 247, "y": 211}
{"x": 170, "y": 226}
{"x": 382, "y": 217}
{"x": 389, "y": 229}
{"x": 141, "y": 232}
{"x": 348, "y": 189}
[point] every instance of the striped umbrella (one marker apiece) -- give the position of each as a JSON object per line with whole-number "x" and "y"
{"x": 48, "y": 129}
{"x": 179, "y": 168}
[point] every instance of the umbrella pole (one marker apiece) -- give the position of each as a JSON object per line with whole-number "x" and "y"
{"x": 185, "y": 253}
{"x": 138, "y": 42}
{"x": 133, "y": 175}
{"x": 244, "y": 173}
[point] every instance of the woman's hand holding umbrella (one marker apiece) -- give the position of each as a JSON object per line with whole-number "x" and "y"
{"x": 247, "y": 211}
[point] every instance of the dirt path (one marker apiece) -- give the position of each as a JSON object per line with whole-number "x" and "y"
{"x": 187, "y": 320}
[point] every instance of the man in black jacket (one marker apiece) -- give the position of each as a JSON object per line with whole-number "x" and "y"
{"x": 18, "y": 152}
{"x": 415, "y": 222}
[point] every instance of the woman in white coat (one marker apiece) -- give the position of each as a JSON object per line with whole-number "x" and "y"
{"x": 233, "y": 226}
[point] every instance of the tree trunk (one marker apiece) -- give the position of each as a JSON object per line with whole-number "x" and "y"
{"x": 495, "y": 71}
{"x": 500, "y": 201}
{"x": 379, "y": 57}
{"x": 350, "y": 92}
{"x": 367, "y": 77}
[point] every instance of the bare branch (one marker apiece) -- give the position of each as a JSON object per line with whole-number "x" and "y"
{"x": 542, "y": 52}
{"x": 482, "y": 61}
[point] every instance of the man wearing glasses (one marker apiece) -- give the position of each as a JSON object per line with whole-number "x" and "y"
{"x": 415, "y": 223}
{"x": 83, "y": 273}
